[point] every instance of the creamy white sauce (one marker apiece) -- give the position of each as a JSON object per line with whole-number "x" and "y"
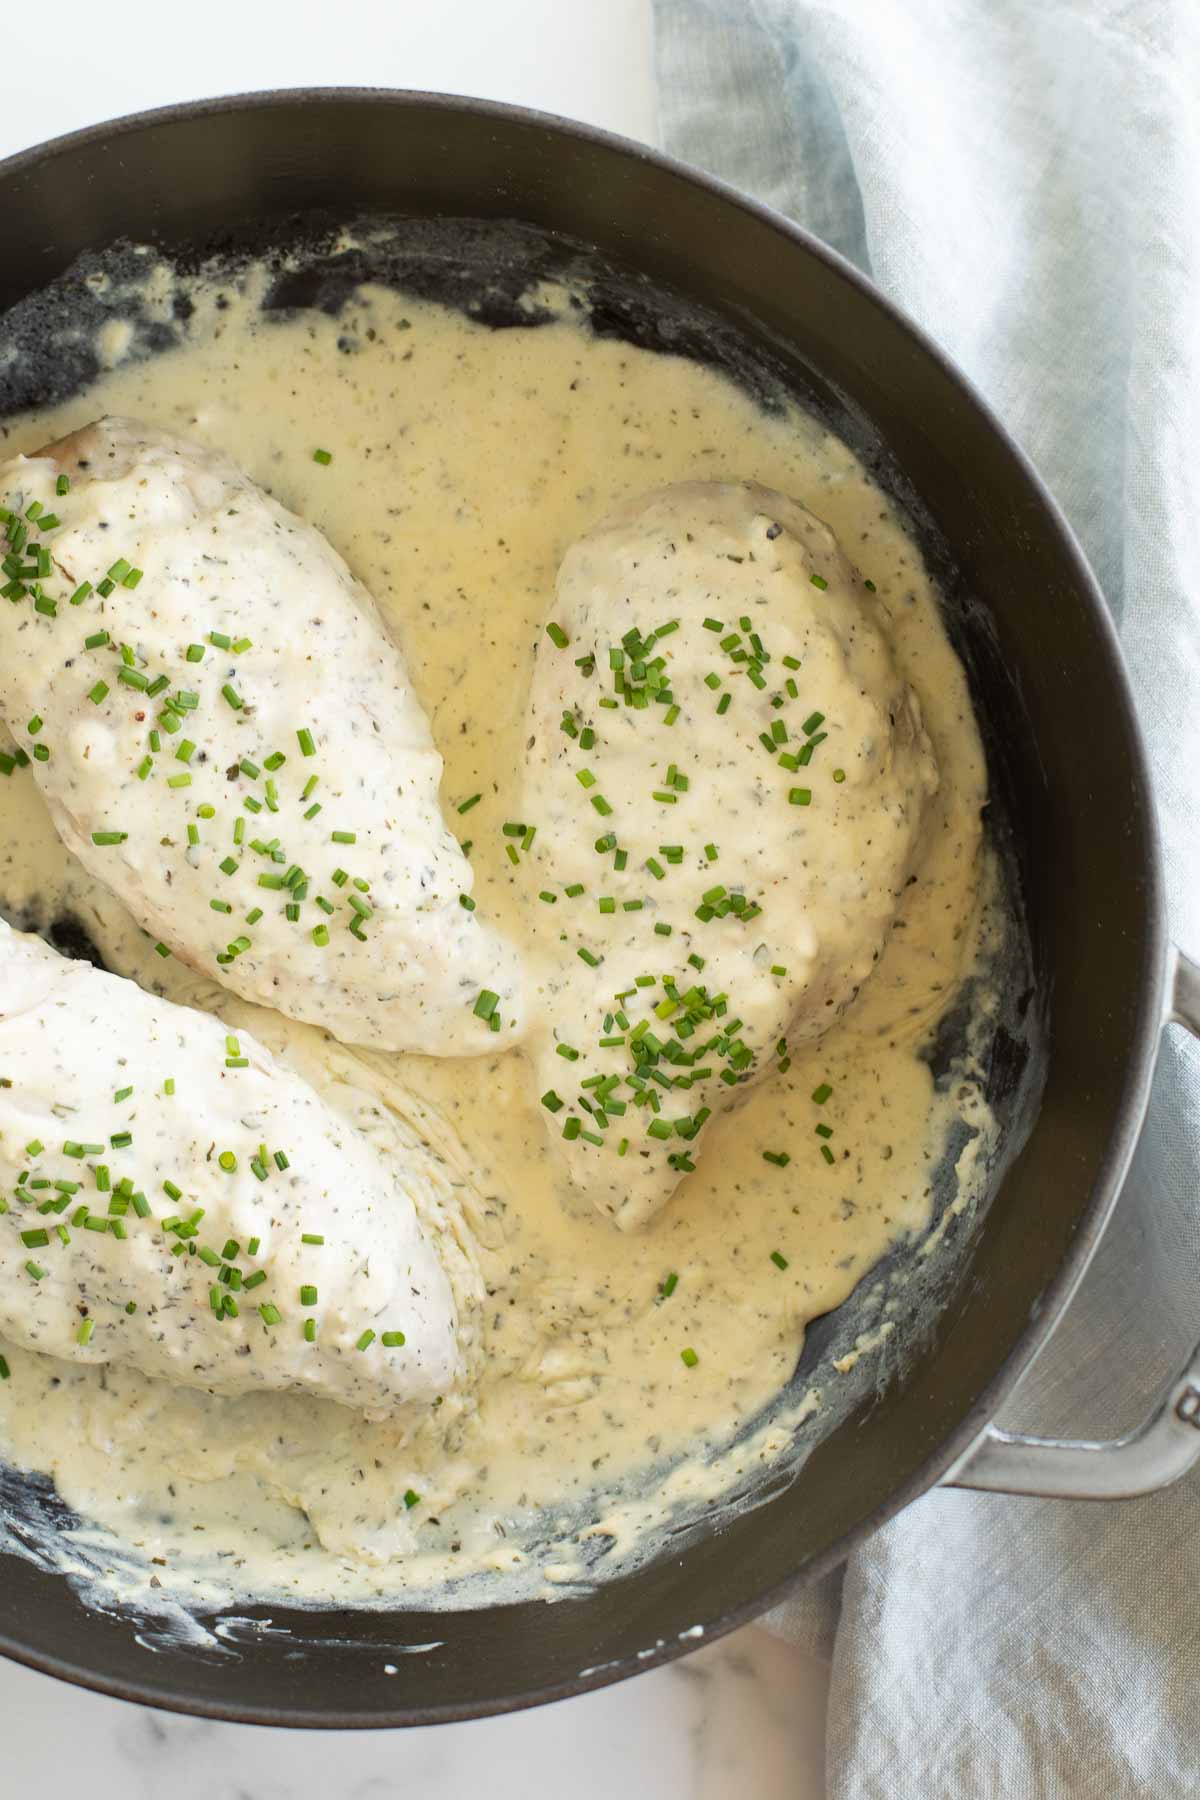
{"x": 465, "y": 462}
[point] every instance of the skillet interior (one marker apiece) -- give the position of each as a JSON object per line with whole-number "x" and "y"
{"x": 674, "y": 263}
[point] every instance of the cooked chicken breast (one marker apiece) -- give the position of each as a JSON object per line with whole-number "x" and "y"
{"x": 225, "y": 735}
{"x": 177, "y": 1200}
{"x": 728, "y": 778}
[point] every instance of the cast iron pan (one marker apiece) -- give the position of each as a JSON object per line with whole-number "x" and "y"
{"x": 675, "y": 261}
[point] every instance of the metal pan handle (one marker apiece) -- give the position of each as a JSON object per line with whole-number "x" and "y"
{"x": 1156, "y": 1454}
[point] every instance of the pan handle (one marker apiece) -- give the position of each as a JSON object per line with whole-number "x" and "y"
{"x": 1162, "y": 1449}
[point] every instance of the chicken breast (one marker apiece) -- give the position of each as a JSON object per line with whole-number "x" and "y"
{"x": 728, "y": 780}
{"x": 226, "y": 736}
{"x": 175, "y": 1199}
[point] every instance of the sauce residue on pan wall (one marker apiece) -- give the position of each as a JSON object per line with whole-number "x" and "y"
{"x": 465, "y": 460}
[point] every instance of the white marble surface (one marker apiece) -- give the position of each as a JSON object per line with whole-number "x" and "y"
{"x": 744, "y": 1716}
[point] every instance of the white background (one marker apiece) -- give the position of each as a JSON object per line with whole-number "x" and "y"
{"x": 744, "y": 1717}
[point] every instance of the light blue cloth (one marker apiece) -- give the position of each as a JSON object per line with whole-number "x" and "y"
{"x": 1023, "y": 177}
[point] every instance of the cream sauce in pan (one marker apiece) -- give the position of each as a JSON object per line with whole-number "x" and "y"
{"x": 464, "y": 463}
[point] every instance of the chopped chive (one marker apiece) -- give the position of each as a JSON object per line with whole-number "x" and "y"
{"x": 468, "y": 804}
{"x": 689, "y": 1358}
{"x": 324, "y": 457}
{"x": 394, "y": 1340}
{"x": 799, "y": 796}
{"x": 343, "y": 837}
{"x": 232, "y": 696}
{"x": 779, "y": 1158}
{"x": 780, "y": 1261}
{"x": 557, "y": 636}
{"x": 109, "y": 837}
{"x": 367, "y": 1338}
{"x": 306, "y": 741}
{"x": 96, "y": 640}
{"x": 485, "y": 1004}
{"x": 98, "y": 693}
{"x": 821, "y": 1094}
